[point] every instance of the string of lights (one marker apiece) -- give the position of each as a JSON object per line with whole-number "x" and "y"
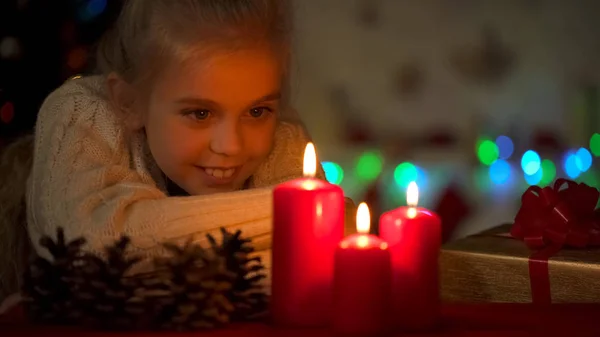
{"x": 496, "y": 155}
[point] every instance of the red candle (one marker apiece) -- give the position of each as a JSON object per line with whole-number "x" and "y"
{"x": 308, "y": 224}
{"x": 362, "y": 282}
{"x": 414, "y": 238}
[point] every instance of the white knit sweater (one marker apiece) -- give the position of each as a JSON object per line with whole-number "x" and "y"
{"x": 96, "y": 180}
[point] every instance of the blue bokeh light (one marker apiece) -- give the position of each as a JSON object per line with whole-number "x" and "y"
{"x": 584, "y": 159}
{"x": 500, "y": 172}
{"x": 534, "y": 179}
{"x": 333, "y": 172}
{"x": 571, "y": 167}
{"x": 531, "y": 162}
{"x": 505, "y": 147}
{"x": 92, "y": 9}
{"x": 422, "y": 179}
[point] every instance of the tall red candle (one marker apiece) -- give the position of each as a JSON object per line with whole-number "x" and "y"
{"x": 414, "y": 238}
{"x": 362, "y": 282}
{"x": 308, "y": 224}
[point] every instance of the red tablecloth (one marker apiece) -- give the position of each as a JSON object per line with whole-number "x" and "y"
{"x": 489, "y": 320}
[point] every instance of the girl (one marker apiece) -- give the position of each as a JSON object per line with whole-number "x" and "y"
{"x": 186, "y": 130}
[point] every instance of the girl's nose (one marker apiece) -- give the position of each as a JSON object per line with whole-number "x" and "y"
{"x": 226, "y": 138}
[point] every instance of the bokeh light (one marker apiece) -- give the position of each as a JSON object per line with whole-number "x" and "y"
{"x": 479, "y": 141}
{"x": 548, "y": 172}
{"x": 405, "y": 173}
{"x": 10, "y": 48}
{"x": 333, "y": 172}
{"x": 77, "y": 58}
{"x": 570, "y": 165}
{"x": 595, "y": 144}
{"x": 500, "y": 172}
{"x": 584, "y": 159}
{"x": 505, "y": 147}
{"x": 591, "y": 178}
{"x": 534, "y": 179}
{"x": 531, "y": 162}
{"x": 422, "y": 181}
{"x": 7, "y": 112}
{"x": 91, "y": 9}
{"x": 487, "y": 152}
{"x": 369, "y": 166}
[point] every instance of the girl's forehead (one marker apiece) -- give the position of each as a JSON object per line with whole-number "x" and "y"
{"x": 249, "y": 73}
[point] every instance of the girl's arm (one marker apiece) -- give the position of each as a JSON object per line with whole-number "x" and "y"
{"x": 286, "y": 162}
{"x": 82, "y": 180}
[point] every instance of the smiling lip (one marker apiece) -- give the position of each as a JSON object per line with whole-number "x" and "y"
{"x": 219, "y": 175}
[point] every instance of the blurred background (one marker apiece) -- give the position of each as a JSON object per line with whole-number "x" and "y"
{"x": 474, "y": 99}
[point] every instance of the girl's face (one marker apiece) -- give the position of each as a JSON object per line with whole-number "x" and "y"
{"x": 211, "y": 123}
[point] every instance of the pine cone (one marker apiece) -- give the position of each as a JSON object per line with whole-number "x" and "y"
{"x": 106, "y": 296}
{"x": 247, "y": 294}
{"x": 47, "y": 290}
{"x": 190, "y": 289}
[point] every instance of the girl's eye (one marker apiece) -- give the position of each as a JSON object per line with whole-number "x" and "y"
{"x": 199, "y": 114}
{"x": 259, "y": 112}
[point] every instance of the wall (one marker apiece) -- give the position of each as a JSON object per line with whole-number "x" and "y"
{"x": 555, "y": 44}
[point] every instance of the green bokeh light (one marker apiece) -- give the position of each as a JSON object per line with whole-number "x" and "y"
{"x": 405, "y": 173}
{"x": 333, "y": 172}
{"x": 369, "y": 166}
{"x": 590, "y": 178}
{"x": 487, "y": 152}
{"x": 595, "y": 144}
{"x": 548, "y": 172}
{"x": 480, "y": 140}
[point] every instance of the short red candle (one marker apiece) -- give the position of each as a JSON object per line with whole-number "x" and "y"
{"x": 308, "y": 224}
{"x": 414, "y": 238}
{"x": 362, "y": 282}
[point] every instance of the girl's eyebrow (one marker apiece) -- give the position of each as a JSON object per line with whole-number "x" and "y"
{"x": 208, "y": 102}
{"x": 270, "y": 97}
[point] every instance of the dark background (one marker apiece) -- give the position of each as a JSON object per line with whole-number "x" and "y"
{"x": 42, "y": 44}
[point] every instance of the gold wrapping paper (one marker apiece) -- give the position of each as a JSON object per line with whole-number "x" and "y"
{"x": 490, "y": 268}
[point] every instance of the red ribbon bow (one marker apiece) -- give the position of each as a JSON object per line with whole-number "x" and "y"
{"x": 563, "y": 215}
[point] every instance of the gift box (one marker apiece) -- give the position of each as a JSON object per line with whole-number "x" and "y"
{"x": 551, "y": 254}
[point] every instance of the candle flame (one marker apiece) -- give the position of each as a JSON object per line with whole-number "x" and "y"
{"x": 310, "y": 161}
{"x": 363, "y": 219}
{"x": 412, "y": 199}
{"x": 412, "y": 194}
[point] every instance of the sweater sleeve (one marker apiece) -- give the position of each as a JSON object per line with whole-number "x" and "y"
{"x": 286, "y": 162}
{"x": 82, "y": 180}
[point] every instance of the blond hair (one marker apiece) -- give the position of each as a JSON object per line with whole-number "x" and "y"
{"x": 148, "y": 33}
{"x": 15, "y": 166}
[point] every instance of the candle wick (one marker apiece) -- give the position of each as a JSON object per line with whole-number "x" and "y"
{"x": 412, "y": 212}
{"x": 362, "y": 241}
